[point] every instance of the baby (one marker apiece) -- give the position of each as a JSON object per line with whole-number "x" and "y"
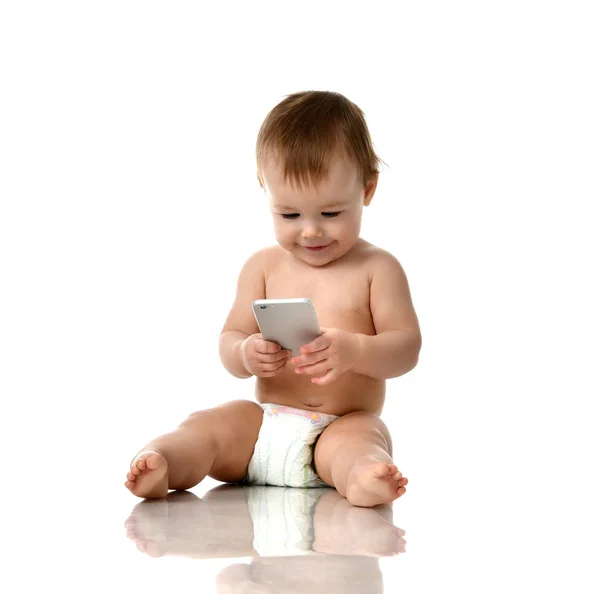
{"x": 317, "y": 421}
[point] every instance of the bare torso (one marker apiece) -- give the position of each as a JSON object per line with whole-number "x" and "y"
{"x": 340, "y": 295}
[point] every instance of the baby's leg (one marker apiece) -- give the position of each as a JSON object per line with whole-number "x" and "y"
{"x": 354, "y": 455}
{"x": 217, "y": 442}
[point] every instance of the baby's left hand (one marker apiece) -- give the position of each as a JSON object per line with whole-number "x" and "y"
{"x": 332, "y": 353}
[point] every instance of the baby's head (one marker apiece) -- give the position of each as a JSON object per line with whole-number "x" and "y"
{"x": 316, "y": 163}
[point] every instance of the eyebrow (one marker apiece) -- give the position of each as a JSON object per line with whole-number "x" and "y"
{"x": 330, "y": 205}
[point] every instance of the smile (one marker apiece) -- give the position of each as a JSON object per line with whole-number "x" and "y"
{"x": 318, "y": 248}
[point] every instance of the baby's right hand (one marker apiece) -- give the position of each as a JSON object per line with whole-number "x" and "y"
{"x": 263, "y": 358}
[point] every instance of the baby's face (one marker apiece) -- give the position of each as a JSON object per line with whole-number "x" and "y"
{"x": 327, "y": 215}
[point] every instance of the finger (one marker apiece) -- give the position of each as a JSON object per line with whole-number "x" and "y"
{"x": 318, "y": 344}
{"x": 277, "y": 370}
{"x": 321, "y": 367}
{"x": 266, "y": 346}
{"x": 280, "y": 356}
{"x": 329, "y": 377}
{"x": 310, "y": 359}
{"x": 272, "y": 365}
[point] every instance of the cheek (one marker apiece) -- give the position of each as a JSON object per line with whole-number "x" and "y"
{"x": 283, "y": 231}
{"x": 349, "y": 230}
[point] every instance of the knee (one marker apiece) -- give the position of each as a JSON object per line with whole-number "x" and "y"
{"x": 362, "y": 416}
{"x": 364, "y": 423}
{"x": 362, "y": 419}
{"x": 232, "y": 420}
{"x": 239, "y": 408}
{"x": 236, "y": 413}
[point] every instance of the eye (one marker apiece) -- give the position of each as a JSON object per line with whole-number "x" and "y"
{"x": 329, "y": 215}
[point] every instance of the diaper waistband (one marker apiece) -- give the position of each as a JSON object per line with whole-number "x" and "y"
{"x": 316, "y": 418}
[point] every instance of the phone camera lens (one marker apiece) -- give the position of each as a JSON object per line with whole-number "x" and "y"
{"x": 263, "y": 307}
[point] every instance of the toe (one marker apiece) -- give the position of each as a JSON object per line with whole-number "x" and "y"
{"x": 393, "y": 469}
{"x": 153, "y": 461}
{"x": 130, "y": 477}
{"x": 141, "y": 463}
{"x": 129, "y": 484}
{"x": 135, "y": 470}
{"x": 401, "y": 491}
{"x": 380, "y": 469}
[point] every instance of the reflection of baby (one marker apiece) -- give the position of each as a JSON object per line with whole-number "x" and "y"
{"x": 318, "y": 168}
{"x": 298, "y": 575}
{"x": 183, "y": 525}
{"x": 232, "y": 521}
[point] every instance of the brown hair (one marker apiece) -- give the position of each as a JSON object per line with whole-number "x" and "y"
{"x": 307, "y": 129}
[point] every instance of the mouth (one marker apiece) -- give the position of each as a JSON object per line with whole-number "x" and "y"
{"x": 317, "y": 248}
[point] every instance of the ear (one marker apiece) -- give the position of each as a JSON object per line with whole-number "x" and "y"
{"x": 370, "y": 189}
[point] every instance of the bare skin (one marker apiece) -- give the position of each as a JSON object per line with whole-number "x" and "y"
{"x": 148, "y": 475}
{"x": 216, "y": 442}
{"x": 339, "y": 293}
{"x": 362, "y": 469}
{"x": 349, "y": 292}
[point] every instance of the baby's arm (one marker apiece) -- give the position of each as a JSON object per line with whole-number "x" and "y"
{"x": 394, "y": 350}
{"x": 230, "y": 352}
{"x": 240, "y": 322}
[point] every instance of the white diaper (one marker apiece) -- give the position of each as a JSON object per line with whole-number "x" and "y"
{"x": 283, "y": 453}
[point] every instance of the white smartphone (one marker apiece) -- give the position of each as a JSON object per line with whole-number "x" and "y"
{"x": 291, "y": 323}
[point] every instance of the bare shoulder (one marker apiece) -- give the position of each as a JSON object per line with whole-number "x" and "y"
{"x": 381, "y": 262}
{"x": 390, "y": 298}
{"x": 272, "y": 253}
{"x": 273, "y": 256}
{"x": 258, "y": 258}
{"x": 250, "y": 286}
{"x": 261, "y": 260}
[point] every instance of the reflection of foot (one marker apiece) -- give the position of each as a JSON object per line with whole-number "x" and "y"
{"x": 147, "y": 476}
{"x": 234, "y": 521}
{"x": 183, "y": 524}
{"x": 344, "y": 529}
{"x": 371, "y": 482}
{"x": 147, "y": 526}
{"x": 371, "y": 535}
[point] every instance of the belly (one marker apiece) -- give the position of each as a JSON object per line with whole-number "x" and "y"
{"x": 348, "y": 393}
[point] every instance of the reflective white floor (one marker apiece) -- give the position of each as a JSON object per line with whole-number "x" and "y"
{"x": 97, "y": 537}
{"x": 277, "y": 539}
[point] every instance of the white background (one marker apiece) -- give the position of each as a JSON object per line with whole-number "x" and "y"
{"x": 129, "y": 202}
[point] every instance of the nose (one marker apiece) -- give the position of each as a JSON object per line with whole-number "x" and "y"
{"x": 311, "y": 230}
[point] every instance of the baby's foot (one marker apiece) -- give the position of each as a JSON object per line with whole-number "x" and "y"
{"x": 147, "y": 476}
{"x": 371, "y": 482}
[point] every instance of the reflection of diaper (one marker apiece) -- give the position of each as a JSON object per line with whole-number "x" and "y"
{"x": 283, "y": 453}
{"x": 282, "y": 519}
